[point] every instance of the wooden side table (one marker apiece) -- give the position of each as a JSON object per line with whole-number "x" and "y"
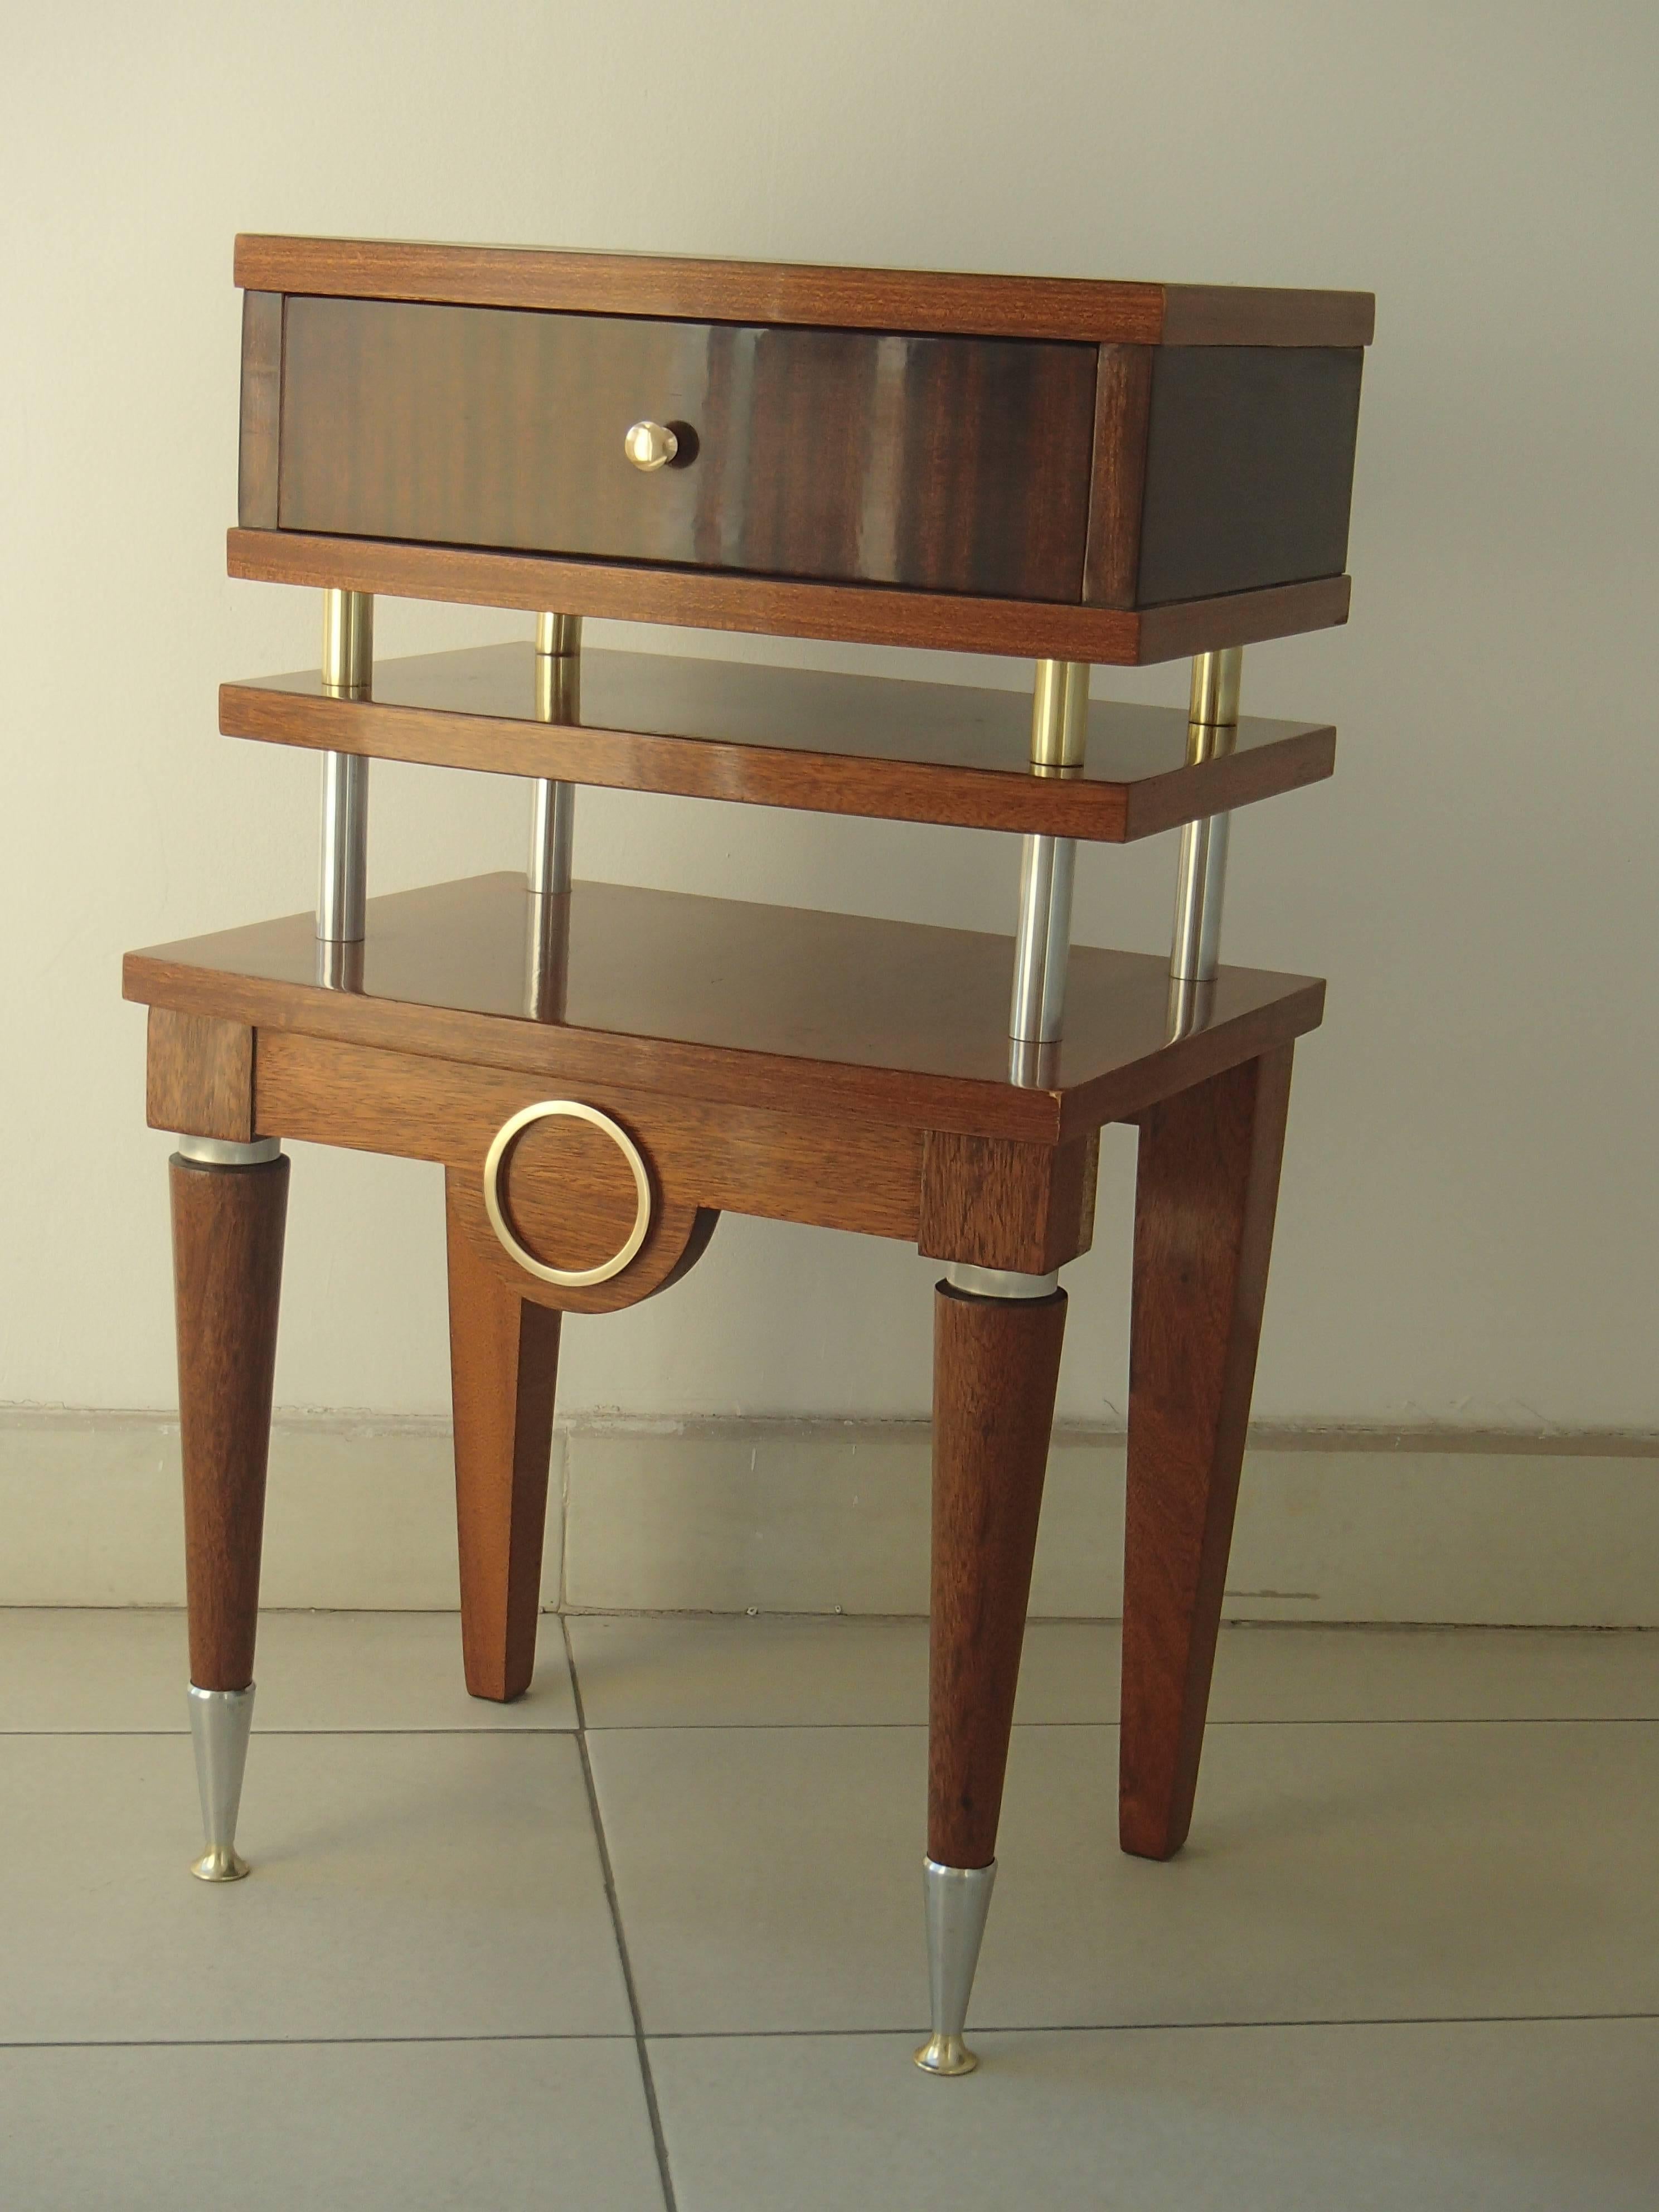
{"x": 1079, "y": 472}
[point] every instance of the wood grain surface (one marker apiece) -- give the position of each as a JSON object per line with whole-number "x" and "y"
{"x": 199, "y": 1076}
{"x": 732, "y": 1002}
{"x": 1207, "y": 1187}
{"x": 1083, "y": 308}
{"x": 784, "y": 737}
{"x": 504, "y": 1358}
{"x": 1111, "y": 565}
{"x": 1249, "y": 460}
{"x": 997, "y": 1204}
{"x": 935, "y": 463}
{"x": 228, "y": 1270}
{"x": 854, "y": 613}
{"x": 854, "y": 1175}
{"x": 996, "y": 1364}
{"x": 262, "y": 409}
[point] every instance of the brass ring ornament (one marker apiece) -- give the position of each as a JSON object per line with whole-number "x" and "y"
{"x": 547, "y": 1109}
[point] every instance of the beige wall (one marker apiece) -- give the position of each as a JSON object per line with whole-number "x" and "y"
{"x": 1469, "y": 1226}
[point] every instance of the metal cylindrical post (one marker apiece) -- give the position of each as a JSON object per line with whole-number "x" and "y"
{"x": 343, "y": 867}
{"x": 553, "y": 804}
{"x": 1042, "y": 943}
{"x": 1201, "y": 869}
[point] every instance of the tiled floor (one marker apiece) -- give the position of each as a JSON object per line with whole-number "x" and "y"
{"x": 653, "y": 1934}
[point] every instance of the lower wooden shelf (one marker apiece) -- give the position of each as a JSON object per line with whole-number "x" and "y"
{"x": 724, "y": 999}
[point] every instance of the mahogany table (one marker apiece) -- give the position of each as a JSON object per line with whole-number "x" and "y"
{"x": 1076, "y": 472}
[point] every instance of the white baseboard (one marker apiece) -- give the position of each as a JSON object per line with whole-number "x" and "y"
{"x": 815, "y": 1516}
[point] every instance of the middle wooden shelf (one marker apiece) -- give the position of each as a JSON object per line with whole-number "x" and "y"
{"x": 892, "y": 749}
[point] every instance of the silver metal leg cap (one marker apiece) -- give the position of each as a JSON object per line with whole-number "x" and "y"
{"x": 945, "y": 2054}
{"x": 957, "y": 1899}
{"x": 222, "y": 1863}
{"x": 219, "y": 1724}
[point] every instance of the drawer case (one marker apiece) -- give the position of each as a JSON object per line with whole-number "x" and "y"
{"x": 1086, "y": 470}
{"x": 947, "y": 464}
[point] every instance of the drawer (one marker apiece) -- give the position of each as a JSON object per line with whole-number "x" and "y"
{"x": 945, "y": 464}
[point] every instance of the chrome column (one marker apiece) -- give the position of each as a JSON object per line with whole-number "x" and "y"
{"x": 1201, "y": 875}
{"x": 1201, "y": 872}
{"x": 552, "y": 823}
{"x": 1060, "y": 731}
{"x": 347, "y": 670}
{"x": 553, "y": 805}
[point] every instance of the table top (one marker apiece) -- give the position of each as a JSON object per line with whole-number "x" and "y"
{"x": 727, "y": 999}
{"x": 1091, "y": 310}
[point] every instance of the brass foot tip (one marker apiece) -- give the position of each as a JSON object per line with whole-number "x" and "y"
{"x": 222, "y": 1863}
{"x": 945, "y": 2054}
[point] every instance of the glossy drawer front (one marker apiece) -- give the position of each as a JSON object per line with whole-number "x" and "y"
{"x": 942, "y": 464}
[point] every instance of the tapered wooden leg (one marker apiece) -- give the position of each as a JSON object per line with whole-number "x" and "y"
{"x": 227, "y": 1220}
{"x": 504, "y": 1357}
{"x": 996, "y": 1363}
{"x": 1204, "y": 1222}
{"x": 228, "y": 1270}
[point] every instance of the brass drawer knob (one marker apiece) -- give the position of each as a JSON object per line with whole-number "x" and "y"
{"x": 650, "y": 446}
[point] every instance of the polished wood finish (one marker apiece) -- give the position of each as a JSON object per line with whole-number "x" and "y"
{"x": 1207, "y": 1187}
{"x": 936, "y": 464}
{"x": 555, "y": 1216}
{"x": 228, "y": 1270}
{"x": 774, "y": 607}
{"x": 997, "y": 1204}
{"x": 861, "y": 451}
{"x": 1082, "y": 308}
{"x": 1089, "y": 472}
{"x": 262, "y": 408}
{"x": 785, "y": 737}
{"x": 1186, "y": 627}
{"x": 732, "y": 1002}
{"x": 854, "y": 1175}
{"x": 996, "y": 1364}
{"x": 504, "y": 1358}
{"x": 1123, "y": 389}
{"x": 1248, "y": 469}
{"x": 199, "y": 1076}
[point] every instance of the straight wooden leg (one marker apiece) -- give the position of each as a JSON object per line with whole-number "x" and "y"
{"x": 228, "y": 1225}
{"x": 504, "y": 1357}
{"x": 1204, "y": 1222}
{"x": 996, "y": 1363}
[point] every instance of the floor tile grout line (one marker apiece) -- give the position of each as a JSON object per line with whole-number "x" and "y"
{"x": 1380, "y": 1720}
{"x": 1162, "y": 2026}
{"x": 319, "y": 2042}
{"x": 498, "y": 1733}
{"x": 493, "y": 1733}
{"x": 798, "y": 2034}
{"x": 648, "y": 2079}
